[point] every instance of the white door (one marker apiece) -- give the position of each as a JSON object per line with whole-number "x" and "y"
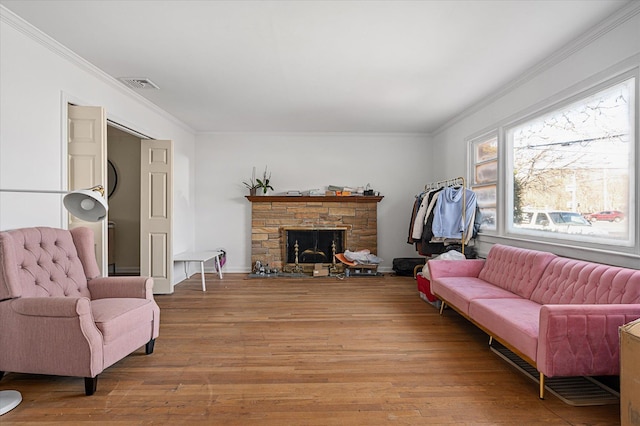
{"x": 87, "y": 156}
{"x": 156, "y": 210}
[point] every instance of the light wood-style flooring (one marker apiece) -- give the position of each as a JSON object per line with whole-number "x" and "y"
{"x": 314, "y": 351}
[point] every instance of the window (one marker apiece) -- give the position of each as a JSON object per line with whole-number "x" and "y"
{"x": 573, "y": 169}
{"x": 484, "y": 180}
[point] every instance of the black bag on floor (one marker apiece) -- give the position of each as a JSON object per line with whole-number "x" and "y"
{"x": 405, "y": 266}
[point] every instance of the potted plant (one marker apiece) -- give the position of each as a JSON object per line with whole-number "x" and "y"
{"x": 252, "y": 186}
{"x": 263, "y": 185}
{"x": 259, "y": 186}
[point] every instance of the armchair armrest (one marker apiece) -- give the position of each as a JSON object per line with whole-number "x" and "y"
{"x": 582, "y": 340}
{"x": 69, "y": 342}
{"x": 116, "y": 287}
{"x": 439, "y": 268}
{"x": 62, "y": 307}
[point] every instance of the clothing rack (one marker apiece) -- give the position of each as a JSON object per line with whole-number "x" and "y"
{"x": 458, "y": 181}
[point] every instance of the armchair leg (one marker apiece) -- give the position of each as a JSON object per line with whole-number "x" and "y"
{"x": 149, "y": 346}
{"x": 541, "y": 386}
{"x": 90, "y": 385}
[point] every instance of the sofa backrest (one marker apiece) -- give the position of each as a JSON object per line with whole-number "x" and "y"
{"x": 569, "y": 281}
{"x": 40, "y": 262}
{"x": 515, "y": 269}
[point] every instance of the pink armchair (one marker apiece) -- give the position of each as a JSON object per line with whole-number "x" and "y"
{"x": 58, "y": 316}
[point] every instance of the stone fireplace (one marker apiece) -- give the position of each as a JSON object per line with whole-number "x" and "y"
{"x": 349, "y": 222}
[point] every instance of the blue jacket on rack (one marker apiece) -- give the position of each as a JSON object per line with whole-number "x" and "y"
{"x": 447, "y": 215}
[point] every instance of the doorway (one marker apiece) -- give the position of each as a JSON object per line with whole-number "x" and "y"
{"x": 85, "y": 149}
{"x": 123, "y": 192}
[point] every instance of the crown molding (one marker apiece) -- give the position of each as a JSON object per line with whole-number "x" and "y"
{"x": 610, "y": 23}
{"x": 16, "y": 22}
{"x": 326, "y": 134}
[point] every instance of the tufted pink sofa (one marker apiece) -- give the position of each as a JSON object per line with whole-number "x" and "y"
{"x": 560, "y": 315}
{"x": 58, "y": 316}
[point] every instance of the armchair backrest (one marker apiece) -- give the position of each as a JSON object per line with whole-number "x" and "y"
{"x": 46, "y": 262}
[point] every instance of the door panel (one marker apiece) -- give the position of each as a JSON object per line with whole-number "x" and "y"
{"x": 156, "y": 209}
{"x": 159, "y": 201}
{"x": 158, "y": 255}
{"x": 87, "y": 165}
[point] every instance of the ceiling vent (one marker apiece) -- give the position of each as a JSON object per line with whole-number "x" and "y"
{"x": 139, "y": 83}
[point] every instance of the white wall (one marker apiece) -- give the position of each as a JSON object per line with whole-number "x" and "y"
{"x": 615, "y": 44}
{"x": 396, "y": 165}
{"x": 37, "y": 78}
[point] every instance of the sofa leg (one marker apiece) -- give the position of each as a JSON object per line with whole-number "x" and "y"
{"x": 442, "y": 307}
{"x": 541, "y": 386}
{"x": 90, "y": 385}
{"x": 490, "y": 340}
{"x": 149, "y": 346}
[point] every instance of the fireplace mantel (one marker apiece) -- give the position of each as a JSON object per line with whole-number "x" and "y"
{"x": 320, "y": 199}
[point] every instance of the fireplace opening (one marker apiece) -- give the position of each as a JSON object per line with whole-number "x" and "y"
{"x": 313, "y": 245}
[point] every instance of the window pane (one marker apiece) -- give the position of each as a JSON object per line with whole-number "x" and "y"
{"x": 487, "y": 200}
{"x": 487, "y": 150}
{"x": 487, "y": 172}
{"x": 484, "y": 179}
{"x": 576, "y": 163}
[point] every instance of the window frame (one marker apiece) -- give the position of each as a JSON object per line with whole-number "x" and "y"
{"x": 474, "y": 164}
{"x": 590, "y": 248}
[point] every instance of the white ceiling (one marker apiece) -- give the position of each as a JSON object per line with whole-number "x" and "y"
{"x": 316, "y": 66}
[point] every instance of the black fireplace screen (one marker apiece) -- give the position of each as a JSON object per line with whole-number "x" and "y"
{"x": 314, "y": 245}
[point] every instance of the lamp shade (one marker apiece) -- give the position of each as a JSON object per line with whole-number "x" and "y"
{"x": 87, "y": 204}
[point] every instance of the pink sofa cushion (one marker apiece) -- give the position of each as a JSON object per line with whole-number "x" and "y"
{"x": 115, "y": 317}
{"x": 515, "y": 269}
{"x": 45, "y": 263}
{"x": 513, "y": 320}
{"x": 569, "y": 281}
{"x": 460, "y": 291}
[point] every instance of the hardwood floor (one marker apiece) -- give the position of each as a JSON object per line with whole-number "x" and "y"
{"x": 314, "y": 351}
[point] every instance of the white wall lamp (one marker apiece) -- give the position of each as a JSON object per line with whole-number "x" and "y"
{"x": 85, "y": 204}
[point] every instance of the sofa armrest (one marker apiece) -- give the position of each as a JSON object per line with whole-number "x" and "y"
{"x": 582, "y": 340}
{"x": 455, "y": 268}
{"x": 116, "y": 287}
